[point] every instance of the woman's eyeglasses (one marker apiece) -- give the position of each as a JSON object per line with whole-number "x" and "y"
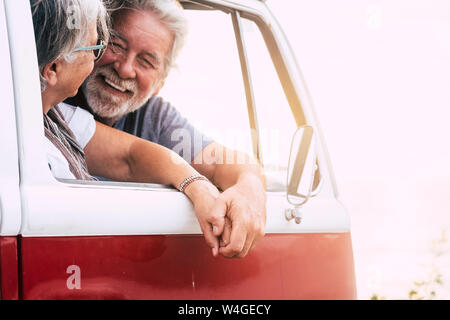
{"x": 98, "y": 49}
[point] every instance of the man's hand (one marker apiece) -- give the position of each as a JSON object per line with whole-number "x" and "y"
{"x": 210, "y": 212}
{"x": 243, "y": 199}
{"x": 226, "y": 234}
{"x": 245, "y": 204}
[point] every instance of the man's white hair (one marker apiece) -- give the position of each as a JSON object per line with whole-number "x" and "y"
{"x": 169, "y": 12}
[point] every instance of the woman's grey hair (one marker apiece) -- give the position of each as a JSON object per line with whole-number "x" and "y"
{"x": 169, "y": 12}
{"x": 61, "y": 26}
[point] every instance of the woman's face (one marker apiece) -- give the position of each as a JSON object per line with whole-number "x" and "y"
{"x": 73, "y": 74}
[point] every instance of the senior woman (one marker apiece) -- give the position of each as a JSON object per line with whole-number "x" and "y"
{"x": 70, "y": 36}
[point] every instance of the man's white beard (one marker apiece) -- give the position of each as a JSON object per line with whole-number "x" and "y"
{"x": 107, "y": 105}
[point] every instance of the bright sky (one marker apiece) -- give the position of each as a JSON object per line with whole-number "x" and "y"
{"x": 384, "y": 66}
{"x": 379, "y": 74}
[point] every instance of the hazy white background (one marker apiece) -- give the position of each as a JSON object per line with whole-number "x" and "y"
{"x": 379, "y": 75}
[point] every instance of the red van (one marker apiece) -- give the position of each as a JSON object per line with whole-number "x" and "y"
{"x": 113, "y": 240}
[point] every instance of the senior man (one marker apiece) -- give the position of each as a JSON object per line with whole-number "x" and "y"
{"x": 146, "y": 37}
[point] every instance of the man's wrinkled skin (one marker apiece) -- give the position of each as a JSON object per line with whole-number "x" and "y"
{"x": 232, "y": 221}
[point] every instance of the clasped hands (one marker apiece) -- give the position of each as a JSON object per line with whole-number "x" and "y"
{"x": 233, "y": 221}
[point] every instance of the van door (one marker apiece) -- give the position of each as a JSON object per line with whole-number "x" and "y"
{"x": 274, "y": 100}
{"x": 110, "y": 240}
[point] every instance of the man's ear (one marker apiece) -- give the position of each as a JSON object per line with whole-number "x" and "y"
{"x": 159, "y": 87}
{"x": 50, "y": 74}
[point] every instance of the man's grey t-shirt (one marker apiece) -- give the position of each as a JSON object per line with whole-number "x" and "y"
{"x": 158, "y": 121}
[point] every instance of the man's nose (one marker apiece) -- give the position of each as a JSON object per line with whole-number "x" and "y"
{"x": 125, "y": 67}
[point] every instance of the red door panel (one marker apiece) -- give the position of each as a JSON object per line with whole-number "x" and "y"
{"x": 281, "y": 266}
{"x": 9, "y": 277}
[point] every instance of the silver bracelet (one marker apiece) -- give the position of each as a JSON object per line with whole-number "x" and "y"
{"x": 189, "y": 180}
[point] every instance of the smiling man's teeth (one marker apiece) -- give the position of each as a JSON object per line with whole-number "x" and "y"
{"x": 115, "y": 86}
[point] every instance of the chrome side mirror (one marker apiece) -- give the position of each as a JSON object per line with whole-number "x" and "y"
{"x": 301, "y": 170}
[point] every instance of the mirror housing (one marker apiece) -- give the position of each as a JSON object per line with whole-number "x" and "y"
{"x": 302, "y": 166}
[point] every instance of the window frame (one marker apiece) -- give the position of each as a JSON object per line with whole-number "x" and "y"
{"x": 249, "y": 92}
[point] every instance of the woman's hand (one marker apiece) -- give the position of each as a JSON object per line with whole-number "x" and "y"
{"x": 210, "y": 211}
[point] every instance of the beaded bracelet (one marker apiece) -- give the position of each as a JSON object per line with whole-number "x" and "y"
{"x": 189, "y": 180}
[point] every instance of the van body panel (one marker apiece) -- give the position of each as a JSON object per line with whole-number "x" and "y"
{"x": 281, "y": 266}
{"x": 9, "y": 268}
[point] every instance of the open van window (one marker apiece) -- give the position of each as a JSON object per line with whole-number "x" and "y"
{"x": 209, "y": 88}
